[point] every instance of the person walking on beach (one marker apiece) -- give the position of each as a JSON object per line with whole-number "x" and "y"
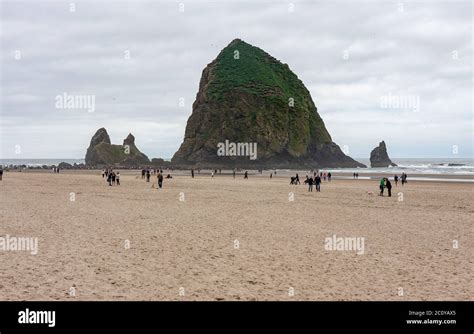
{"x": 354, "y": 176}
{"x": 1, "y": 173}
{"x": 395, "y": 178}
{"x": 382, "y": 186}
{"x": 160, "y": 180}
{"x": 389, "y": 187}
{"x": 297, "y": 179}
{"x": 143, "y": 173}
{"x": 329, "y": 176}
{"x": 192, "y": 173}
{"x": 109, "y": 179}
{"x": 233, "y": 173}
{"x": 117, "y": 178}
{"x": 148, "y": 176}
{"x": 113, "y": 178}
{"x": 246, "y": 175}
{"x": 404, "y": 178}
{"x": 310, "y": 184}
{"x": 103, "y": 173}
{"x": 317, "y": 181}
{"x": 212, "y": 173}
{"x": 271, "y": 175}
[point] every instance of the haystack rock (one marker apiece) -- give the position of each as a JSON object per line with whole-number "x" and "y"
{"x": 102, "y": 153}
{"x": 379, "y": 156}
{"x": 247, "y": 97}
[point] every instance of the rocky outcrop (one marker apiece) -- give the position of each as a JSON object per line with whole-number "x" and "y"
{"x": 158, "y": 162}
{"x": 248, "y": 97}
{"x": 102, "y": 153}
{"x": 64, "y": 165}
{"x": 379, "y": 156}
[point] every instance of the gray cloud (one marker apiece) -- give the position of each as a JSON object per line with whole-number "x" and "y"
{"x": 389, "y": 51}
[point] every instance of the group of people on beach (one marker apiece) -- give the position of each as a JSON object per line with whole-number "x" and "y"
{"x": 385, "y": 183}
{"x": 216, "y": 171}
{"x": 402, "y": 178}
{"x": 319, "y": 176}
{"x": 316, "y": 180}
{"x": 111, "y": 177}
{"x": 146, "y": 174}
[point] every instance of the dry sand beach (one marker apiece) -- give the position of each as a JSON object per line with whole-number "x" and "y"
{"x": 233, "y": 239}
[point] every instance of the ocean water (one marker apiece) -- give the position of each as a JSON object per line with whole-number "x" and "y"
{"x": 437, "y": 166}
{"x": 38, "y": 162}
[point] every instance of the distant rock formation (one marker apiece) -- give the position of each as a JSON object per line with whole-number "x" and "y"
{"x": 379, "y": 156}
{"x": 102, "y": 153}
{"x": 158, "y": 162}
{"x": 64, "y": 165}
{"x": 248, "y": 97}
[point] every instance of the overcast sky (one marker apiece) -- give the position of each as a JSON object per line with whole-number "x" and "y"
{"x": 349, "y": 54}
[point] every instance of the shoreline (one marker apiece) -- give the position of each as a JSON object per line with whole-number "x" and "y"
{"x": 336, "y": 175}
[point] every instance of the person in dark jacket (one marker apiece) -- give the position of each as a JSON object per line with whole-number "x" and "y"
{"x": 388, "y": 185}
{"x": 160, "y": 180}
{"x": 310, "y": 184}
{"x": 317, "y": 181}
{"x": 109, "y": 178}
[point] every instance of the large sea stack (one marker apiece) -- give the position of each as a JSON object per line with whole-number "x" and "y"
{"x": 379, "y": 156}
{"x": 247, "y": 96}
{"x": 102, "y": 152}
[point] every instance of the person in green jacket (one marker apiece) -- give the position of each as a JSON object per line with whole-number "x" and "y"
{"x": 382, "y": 185}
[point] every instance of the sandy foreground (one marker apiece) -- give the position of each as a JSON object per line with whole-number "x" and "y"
{"x": 233, "y": 239}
